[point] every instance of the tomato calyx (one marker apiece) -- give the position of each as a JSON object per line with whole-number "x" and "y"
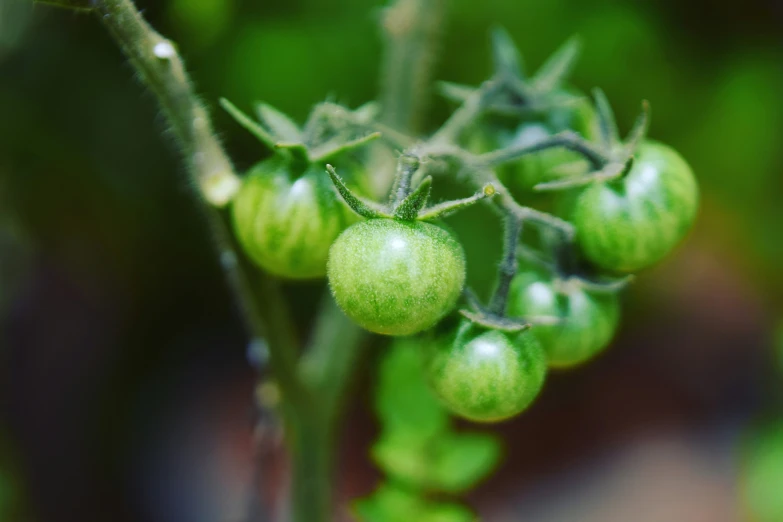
{"x": 406, "y": 204}
{"x": 324, "y": 136}
{"x": 510, "y": 92}
{"x": 619, "y": 154}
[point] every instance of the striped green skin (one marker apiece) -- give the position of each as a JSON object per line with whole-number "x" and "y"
{"x": 487, "y": 375}
{"x": 396, "y": 277}
{"x": 287, "y": 225}
{"x": 632, "y": 223}
{"x": 588, "y": 321}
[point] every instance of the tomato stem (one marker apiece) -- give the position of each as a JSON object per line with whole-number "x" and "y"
{"x": 568, "y": 140}
{"x": 508, "y": 264}
{"x": 407, "y": 165}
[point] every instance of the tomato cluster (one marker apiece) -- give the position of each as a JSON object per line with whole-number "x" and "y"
{"x": 397, "y": 270}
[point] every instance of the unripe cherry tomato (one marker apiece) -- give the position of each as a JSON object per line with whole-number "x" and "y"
{"x": 396, "y": 277}
{"x": 487, "y": 375}
{"x": 588, "y": 320}
{"x": 631, "y": 223}
{"x": 287, "y": 223}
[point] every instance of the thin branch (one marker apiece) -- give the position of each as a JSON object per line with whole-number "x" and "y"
{"x": 567, "y": 139}
{"x": 506, "y": 202}
{"x": 508, "y": 264}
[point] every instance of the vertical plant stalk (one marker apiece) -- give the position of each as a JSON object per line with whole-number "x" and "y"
{"x": 160, "y": 67}
{"x": 411, "y": 31}
{"x": 313, "y": 387}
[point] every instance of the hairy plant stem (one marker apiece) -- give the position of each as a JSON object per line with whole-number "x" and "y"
{"x": 310, "y": 403}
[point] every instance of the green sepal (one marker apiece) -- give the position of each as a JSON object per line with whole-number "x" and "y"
{"x": 337, "y": 146}
{"x": 247, "y": 122}
{"x": 358, "y": 205}
{"x": 455, "y": 92}
{"x": 607, "y": 124}
{"x": 495, "y": 322}
{"x": 639, "y": 130}
{"x": 604, "y": 285}
{"x": 505, "y": 55}
{"x": 367, "y": 112}
{"x": 282, "y": 126}
{"x": 449, "y": 207}
{"x": 408, "y": 209}
{"x": 297, "y": 150}
{"x": 558, "y": 66}
{"x": 609, "y": 172}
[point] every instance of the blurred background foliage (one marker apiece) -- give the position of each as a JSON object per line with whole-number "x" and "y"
{"x": 123, "y": 384}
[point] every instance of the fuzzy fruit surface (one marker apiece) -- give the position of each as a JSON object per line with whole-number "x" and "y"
{"x": 588, "y": 321}
{"x": 633, "y": 222}
{"x": 396, "y": 277}
{"x": 487, "y": 375}
{"x": 287, "y": 223}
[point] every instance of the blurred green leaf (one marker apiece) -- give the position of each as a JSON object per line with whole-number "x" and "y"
{"x": 404, "y": 401}
{"x": 463, "y": 459}
{"x": 391, "y": 503}
{"x": 763, "y": 475}
{"x": 404, "y": 458}
{"x": 449, "y": 463}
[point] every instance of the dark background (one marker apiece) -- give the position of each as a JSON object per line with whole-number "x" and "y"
{"x": 124, "y": 388}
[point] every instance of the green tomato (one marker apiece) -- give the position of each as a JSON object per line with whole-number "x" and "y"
{"x": 588, "y": 320}
{"x": 396, "y": 277}
{"x": 487, "y": 375}
{"x": 286, "y": 223}
{"x": 521, "y": 175}
{"x": 633, "y": 222}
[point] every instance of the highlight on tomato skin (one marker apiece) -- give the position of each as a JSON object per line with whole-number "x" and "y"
{"x": 487, "y": 375}
{"x": 629, "y": 224}
{"x": 396, "y": 277}
{"x": 285, "y": 222}
{"x": 587, "y": 321}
